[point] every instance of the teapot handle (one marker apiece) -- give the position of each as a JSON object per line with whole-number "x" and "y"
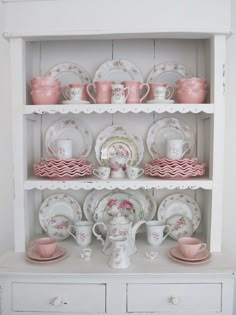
{"x": 98, "y": 236}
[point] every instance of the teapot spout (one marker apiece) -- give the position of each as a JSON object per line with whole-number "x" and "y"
{"x": 136, "y": 227}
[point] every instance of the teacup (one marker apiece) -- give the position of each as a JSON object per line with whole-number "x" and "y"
{"x": 175, "y": 148}
{"x": 45, "y": 246}
{"x": 83, "y": 232}
{"x": 63, "y": 150}
{"x": 86, "y": 253}
{"x": 102, "y": 172}
{"x": 160, "y": 92}
{"x": 190, "y": 246}
{"x": 155, "y": 232}
{"x": 75, "y": 91}
{"x": 134, "y": 172}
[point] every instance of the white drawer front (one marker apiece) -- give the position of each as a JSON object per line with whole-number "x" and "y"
{"x": 87, "y": 298}
{"x": 174, "y": 297}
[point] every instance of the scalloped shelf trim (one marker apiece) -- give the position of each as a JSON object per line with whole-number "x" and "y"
{"x": 121, "y": 108}
{"x": 88, "y": 184}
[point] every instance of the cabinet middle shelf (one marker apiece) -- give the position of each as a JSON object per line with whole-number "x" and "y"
{"x": 94, "y": 183}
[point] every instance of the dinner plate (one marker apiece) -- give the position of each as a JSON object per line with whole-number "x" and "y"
{"x": 175, "y": 251}
{"x": 167, "y": 129}
{"x": 118, "y": 70}
{"x": 182, "y": 205}
{"x": 59, "y": 205}
{"x": 107, "y": 143}
{"x": 33, "y": 254}
{"x": 94, "y": 197}
{"x": 69, "y": 73}
{"x": 168, "y": 73}
{"x": 69, "y": 128}
{"x": 186, "y": 262}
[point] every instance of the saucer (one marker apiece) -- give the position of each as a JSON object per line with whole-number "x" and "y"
{"x": 187, "y": 262}
{"x": 31, "y": 260}
{"x": 175, "y": 252}
{"x": 160, "y": 102}
{"x": 33, "y": 255}
{"x": 75, "y": 102}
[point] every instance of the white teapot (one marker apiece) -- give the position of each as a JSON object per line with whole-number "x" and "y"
{"x": 118, "y": 226}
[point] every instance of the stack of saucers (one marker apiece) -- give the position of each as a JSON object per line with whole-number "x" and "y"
{"x": 63, "y": 169}
{"x": 45, "y": 90}
{"x": 166, "y": 168}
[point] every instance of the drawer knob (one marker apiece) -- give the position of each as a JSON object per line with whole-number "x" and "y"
{"x": 174, "y": 300}
{"x": 57, "y": 301}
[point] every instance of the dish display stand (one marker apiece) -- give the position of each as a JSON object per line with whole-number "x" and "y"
{"x": 158, "y": 286}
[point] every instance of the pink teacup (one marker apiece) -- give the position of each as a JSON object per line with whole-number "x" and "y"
{"x": 190, "y": 246}
{"x": 135, "y": 91}
{"x": 45, "y": 246}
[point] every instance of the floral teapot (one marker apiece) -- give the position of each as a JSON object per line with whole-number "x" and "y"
{"x": 118, "y": 226}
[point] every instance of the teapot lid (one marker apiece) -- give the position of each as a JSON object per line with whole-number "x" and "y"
{"x": 119, "y": 220}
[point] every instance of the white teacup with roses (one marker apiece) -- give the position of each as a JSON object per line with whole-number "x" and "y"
{"x": 81, "y": 231}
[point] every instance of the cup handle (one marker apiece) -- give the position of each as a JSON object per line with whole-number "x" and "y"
{"x": 53, "y": 152}
{"x": 169, "y": 227}
{"x": 188, "y": 148}
{"x": 128, "y": 91}
{"x": 203, "y": 246}
{"x": 70, "y": 227}
{"x": 171, "y": 91}
{"x": 98, "y": 236}
{"x": 140, "y": 172}
{"x": 89, "y": 94}
{"x": 95, "y": 172}
{"x": 146, "y": 94}
{"x": 64, "y": 92}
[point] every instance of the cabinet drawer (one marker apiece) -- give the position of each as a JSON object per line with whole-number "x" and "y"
{"x": 174, "y": 297}
{"x": 87, "y": 298}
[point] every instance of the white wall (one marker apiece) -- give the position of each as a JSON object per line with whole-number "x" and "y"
{"x": 229, "y": 211}
{"x": 6, "y": 181}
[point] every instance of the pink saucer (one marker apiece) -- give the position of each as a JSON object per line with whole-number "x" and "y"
{"x": 175, "y": 251}
{"x": 187, "y": 262}
{"x": 32, "y": 254}
{"x": 65, "y": 255}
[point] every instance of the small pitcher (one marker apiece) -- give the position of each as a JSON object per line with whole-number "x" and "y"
{"x": 83, "y": 232}
{"x": 135, "y": 91}
{"x": 102, "y": 90}
{"x": 118, "y": 94}
{"x": 118, "y": 166}
{"x": 155, "y": 232}
{"x": 120, "y": 252}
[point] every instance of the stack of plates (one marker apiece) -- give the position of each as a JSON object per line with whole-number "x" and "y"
{"x": 33, "y": 257}
{"x": 176, "y": 255}
{"x": 166, "y": 168}
{"x": 63, "y": 169}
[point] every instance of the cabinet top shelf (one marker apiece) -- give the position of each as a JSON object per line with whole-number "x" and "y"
{"x": 122, "y": 108}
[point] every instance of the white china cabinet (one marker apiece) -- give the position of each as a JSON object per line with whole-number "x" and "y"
{"x": 42, "y": 34}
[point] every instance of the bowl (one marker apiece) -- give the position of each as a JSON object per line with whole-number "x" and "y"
{"x": 191, "y": 96}
{"x": 45, "y": 97}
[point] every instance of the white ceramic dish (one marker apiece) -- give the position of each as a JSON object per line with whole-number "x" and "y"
{"x": 75, "y": 102}
{"x": 69, "y": 128}
{"x": 160, "y": 102}
{"x": 69, "y": 73}
{"x": 168, "y": 73}
{"x": 180, "y": 204}
{"x": 59, "y": 205}
{"x": 118, "y": 71}
{"x": 167, "y": 129}
{"x": 108, "y": 141}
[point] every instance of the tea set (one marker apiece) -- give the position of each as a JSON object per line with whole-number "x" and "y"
{"x": 118, "y": 82}
{"x": 119, "y": 168}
